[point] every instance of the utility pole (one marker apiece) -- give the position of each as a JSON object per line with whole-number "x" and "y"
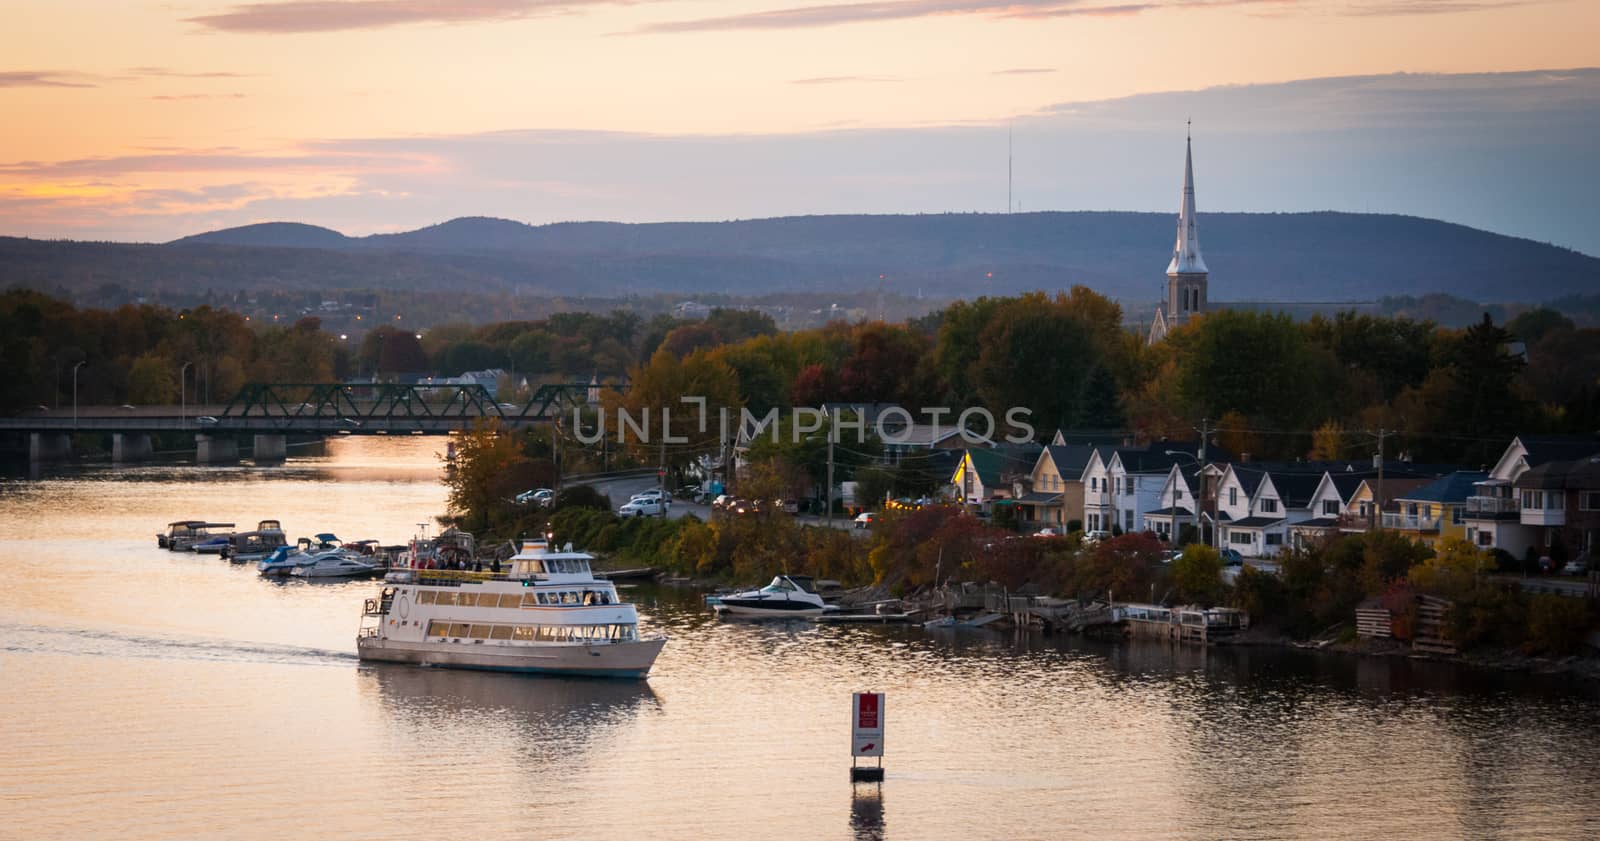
{"x": 1199, "y": 483}
{"x": 830, "y": 475}
{"x": 1377, "y": 506}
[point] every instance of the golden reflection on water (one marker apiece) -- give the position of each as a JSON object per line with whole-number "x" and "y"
{"x": 157, "y": 695}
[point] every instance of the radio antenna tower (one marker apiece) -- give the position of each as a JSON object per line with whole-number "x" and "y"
{"x": 1009, "y": 204}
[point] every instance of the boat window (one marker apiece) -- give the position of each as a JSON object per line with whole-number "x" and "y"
{"x": 445, "y": 598}
{"x": 425, "y": 597}
{"x": 569, "y": 597}
{"x": 488, "y": 600}
{"x": 510, "y": 599}
{"x": 458, "y": 629}
{"x": 546, "y": 633}
{"x": 530, "y": 599}
{"x": 524, "y": 633}
{"x": 500, "y": 632}
{"x": 438, "y": 629}
{"x": 481, "y": 632}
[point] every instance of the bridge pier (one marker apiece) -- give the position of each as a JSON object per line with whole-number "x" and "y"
{"x": 211, "y": 449}
{"x": 49, "y": 446}
{"x": 130, "y": 446}
{"x": 270, "y": 448}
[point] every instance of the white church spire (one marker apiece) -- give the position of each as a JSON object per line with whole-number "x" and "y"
{"x": 1186, "y": 257}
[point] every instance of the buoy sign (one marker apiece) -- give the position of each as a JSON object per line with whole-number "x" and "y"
{"x": 867, "y": 724}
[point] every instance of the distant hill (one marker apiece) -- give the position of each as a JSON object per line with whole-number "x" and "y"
{"x": 1253, "y": 257}
{"x": 271, "y": 235}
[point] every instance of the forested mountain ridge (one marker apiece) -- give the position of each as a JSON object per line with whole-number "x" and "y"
{"x": 1272, "y": 257}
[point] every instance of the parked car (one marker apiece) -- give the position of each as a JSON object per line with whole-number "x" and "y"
{"x": 1576, "y": 566}
{"x": 537, "y": 496}
{"x": 642, "y": 508}
{"x": 865, "y": 519}
{"x": 1048, "y": 531}
{"x": 206, "y": 420}
{"x": 787, "y": 506}
{"x": 721, "y": 502}
{"x": 655, "y": 495}
{"x": 1231, "y": 557}
{"x": 1092, "y": 537}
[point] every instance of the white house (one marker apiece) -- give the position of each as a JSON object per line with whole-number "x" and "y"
{"x": 1121, "y": 485}
{"x": 1250, "y": 512}
{"x": 1493, "y": 513}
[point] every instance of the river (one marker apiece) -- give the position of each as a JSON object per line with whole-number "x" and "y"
{"x": 154, "y": 695}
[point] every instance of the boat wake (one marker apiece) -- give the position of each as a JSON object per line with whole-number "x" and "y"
{"x": 96, "y": 642}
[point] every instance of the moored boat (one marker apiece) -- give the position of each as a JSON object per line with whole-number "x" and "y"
{"x": 544, "y": 613}
{"x": 336, "y": 565}
{"x": 253, "y": 546}
{"x": 786, "y": 596}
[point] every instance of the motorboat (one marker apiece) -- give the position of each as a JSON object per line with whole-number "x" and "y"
{"x": 183, "y": 535}
{"x": 545, "y": 612}
{"x": 177, "y": 530}
{"x": 337, "y": 564}
{"x": 787, "y": 595}
{"x": 282, "y": 561}
{"x": 255, "y": 546}
{"x": 214, "y": 546}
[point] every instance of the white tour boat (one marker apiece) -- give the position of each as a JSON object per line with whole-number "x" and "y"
{"x": 544, "y": 611}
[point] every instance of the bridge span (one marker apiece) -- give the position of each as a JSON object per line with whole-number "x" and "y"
{"x": 271, "y": 412}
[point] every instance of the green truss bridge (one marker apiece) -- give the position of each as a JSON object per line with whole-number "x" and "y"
{"x": 272, "y": 411}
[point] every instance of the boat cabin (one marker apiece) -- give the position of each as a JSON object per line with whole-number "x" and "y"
{"x": 537, "y": 561}
{"x": 791, "y": 583}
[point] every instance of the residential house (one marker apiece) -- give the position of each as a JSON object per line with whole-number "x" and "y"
{"x": 1329, "y": 501}
{"x": 1560, "y": 504}
{"x": 1250, "y": 512}
{"x": 1435, "y": 511}
{"x": 1183, "y": 495}
{"x": 912, "y": 440}
{"x": 1122, "y": 485}
{"x": 986, "y": 475}
{"x": 1494, "y": 517}
{"x": 1055, "y": 497}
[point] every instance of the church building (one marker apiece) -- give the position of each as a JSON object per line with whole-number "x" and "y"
{"x": 1186, "y": 274}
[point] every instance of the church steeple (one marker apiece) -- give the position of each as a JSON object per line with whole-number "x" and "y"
{"x": 1187, "y": 276}
{"x": 1186, "y": 257}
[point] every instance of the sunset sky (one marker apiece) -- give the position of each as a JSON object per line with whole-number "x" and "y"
{"x": 145, "y": 120}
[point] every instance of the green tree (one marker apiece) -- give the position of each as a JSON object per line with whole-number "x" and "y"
{"x": 152, "y": 381}
{"x": 1197, "y": 574}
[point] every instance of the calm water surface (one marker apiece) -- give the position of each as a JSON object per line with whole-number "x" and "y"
{"x": 152, "y": 695}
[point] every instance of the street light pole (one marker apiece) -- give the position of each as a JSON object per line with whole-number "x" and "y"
{"x": 1175, "y": 528}
{"x": 75, "y": 392}
{"x": 183, "y": 396}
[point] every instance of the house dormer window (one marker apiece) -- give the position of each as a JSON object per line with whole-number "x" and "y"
{"x": 1330, "y": 507}
{"x": 1233, "y": 496}
{"x": 1269, "y": 506}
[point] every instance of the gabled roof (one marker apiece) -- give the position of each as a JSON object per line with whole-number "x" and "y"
{"x": 1583, "y": 474}
{"x": 1454, "y": 488}
{"x": 1296, "y": 489}
{"x": 1071, "y": 459}
{"x": 1346, "y": 483}
{"x": 1393, "y": 488}
{"x": 1547, "y": 448}
{"x": 923, "y": 435}
{"x": 992, "y": 463}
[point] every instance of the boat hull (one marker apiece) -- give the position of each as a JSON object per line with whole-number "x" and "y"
{"x": 619, "y": 660}
{"x": 765, "y": 608}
